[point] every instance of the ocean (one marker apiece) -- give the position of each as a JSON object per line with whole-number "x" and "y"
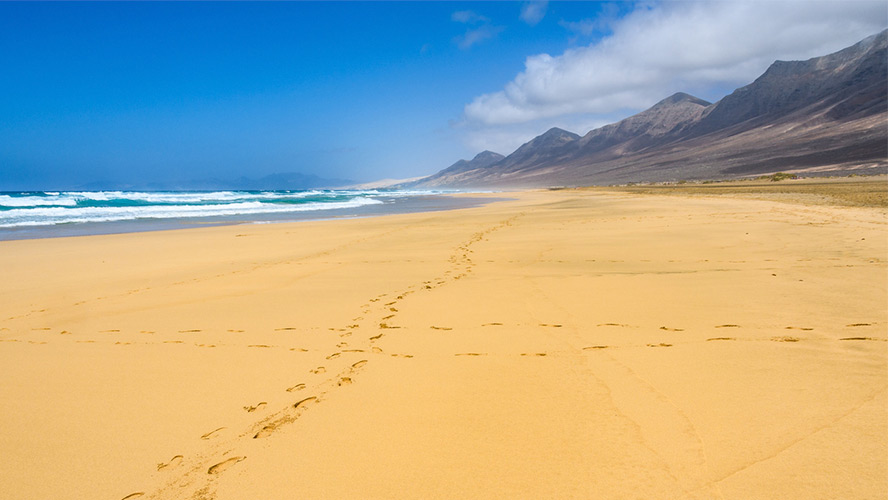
{"x": 38, "y": 214}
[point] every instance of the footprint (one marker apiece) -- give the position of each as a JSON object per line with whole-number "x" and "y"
{"x": 375, "y": 337}
{"x": 173, "y": 461}
{"x": 284, "y": 329}
{"x": 377, "y": 350}
{"x": 333, "y": 356}
{"x": 318, "y": 370}
{"x": 353, "y": 350}
{"x": 172, "y": 342}
{"x": 359, "y": 363}
{"x": 859, "y": 324}
{"x": 727, "y": 326}
{"x": 298, "y": 349}
{"x": 591, "y": 347}
{"x": 671, "y": 329}
{"x": 785, "y": 339}
{"x": 344, "y": 381}
{"x": 251, "y": 409}
{"x": 221, "y": 466}
{"x": 720, "y": 338}
{"x": 533, "y": 354}
{"x": 385, "y": 325}
{"x": 305, "y": 401}
{"x": 235, "y": 331}
{"x": 550, "y": 325}
{"x": 211, "y": 433}
{"x": 187, "y": 331}
{"x": 492, "y": 324}
{"x": 798, "y": 328}
{"x": 660, "y": 345}
{"x": 133, "y": 495}
{"x": 297, "y": 387}
{"x": 440, "y": 328}
{"x": 258, "y": 345}
{"x": 614, "y": 324}
{"x": 101, "y": 331}
{"x": 864, "y": 338}
{"x": 471, "y": 354}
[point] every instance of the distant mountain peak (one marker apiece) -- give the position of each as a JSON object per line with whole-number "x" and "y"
{"x": 681, "y": 97}
{"x": 559, "y": 132}
{"x": 487, "y": 155}
{"x": 790, "y": 86}
{"x": 648, "y": 128}
{"x": 553, "y": 138}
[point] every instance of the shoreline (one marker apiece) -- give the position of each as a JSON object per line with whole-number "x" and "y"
{"x": 413, "y": 204}
{"x": 569, "y": 343}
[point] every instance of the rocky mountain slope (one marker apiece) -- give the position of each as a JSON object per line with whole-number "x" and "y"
{"x": 826, "y": 115}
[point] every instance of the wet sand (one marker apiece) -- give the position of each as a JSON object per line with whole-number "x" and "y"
{"x": 566, "y": 344}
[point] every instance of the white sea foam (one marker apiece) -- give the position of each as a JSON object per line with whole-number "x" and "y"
{"x": 51, "y": 215}
{"x": 35, "y": 201}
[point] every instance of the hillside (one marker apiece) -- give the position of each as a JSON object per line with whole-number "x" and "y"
{"x": 824, "y": 116}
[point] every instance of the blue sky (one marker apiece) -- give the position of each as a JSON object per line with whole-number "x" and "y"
{"x": 168, "y": 92}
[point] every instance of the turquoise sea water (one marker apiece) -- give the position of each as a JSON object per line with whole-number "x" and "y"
{"x": 48, "y": 214}
{"x": 41, "y": 208}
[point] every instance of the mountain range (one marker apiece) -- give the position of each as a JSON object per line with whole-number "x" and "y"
{"x": 824, "y": 116}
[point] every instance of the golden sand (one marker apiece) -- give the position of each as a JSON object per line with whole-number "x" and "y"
{"x": 569, "y": 344}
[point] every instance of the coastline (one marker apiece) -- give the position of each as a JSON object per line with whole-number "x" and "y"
{"x": 559, "y": 344}
{"x": 419, "y": 203}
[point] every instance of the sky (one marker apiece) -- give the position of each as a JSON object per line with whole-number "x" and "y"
{"x": 168, "y": 92}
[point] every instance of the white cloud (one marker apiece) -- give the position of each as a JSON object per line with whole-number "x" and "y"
{"x": 468, "y": 17}
{"x": 533, "y": 12}
{"x": 584, "y": 27}
{"x": 660, "y": 49}
{"x": 477, "y": 35}
{"x": 483, "y": 29}
{"x": 602, "y": 23}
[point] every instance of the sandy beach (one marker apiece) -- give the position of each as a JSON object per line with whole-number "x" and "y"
{"x": 563, "y": 344}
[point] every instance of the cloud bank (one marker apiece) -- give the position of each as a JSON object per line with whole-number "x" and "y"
{"x": 658, "y": 49}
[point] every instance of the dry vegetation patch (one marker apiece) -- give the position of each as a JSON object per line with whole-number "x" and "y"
{"x": 870, "y": 191}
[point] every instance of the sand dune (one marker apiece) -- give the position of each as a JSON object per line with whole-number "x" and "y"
{"x": 566, "y": 344}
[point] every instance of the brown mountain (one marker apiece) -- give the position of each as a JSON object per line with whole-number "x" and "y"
{"x": 460, "y": 171}
{"x": 826, "y": 115}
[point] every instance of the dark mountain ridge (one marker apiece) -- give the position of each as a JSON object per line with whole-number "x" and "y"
{"x": 455, "y": 173}
{"x": 826, "y": 115}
